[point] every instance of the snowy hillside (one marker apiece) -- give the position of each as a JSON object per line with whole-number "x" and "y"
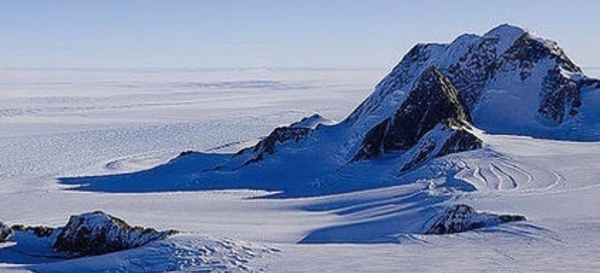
{"x": 477, "y": 155}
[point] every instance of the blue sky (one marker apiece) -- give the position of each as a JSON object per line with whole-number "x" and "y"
{"x": 309, "y": 33}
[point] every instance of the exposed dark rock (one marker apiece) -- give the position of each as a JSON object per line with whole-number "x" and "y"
{"x": 310, "y": 122}
{"x": 470, "y": 74}
{"x": 432, "y": 102}
{"x": 39, "y": 231}
{"x": 525, "y": 53}
{"x": 560, "y": 97}
{"x": 401, "y": 75}
{"x": 5, "y": 232}
{"x": 372, "y": 143}
{"x": 279, "y": 135}
{"x": 184, "y": 153}
{"x": 460, "y": 141}
{"x": 461, "y": 218}
{"x": 294, "y": 132}
{"x": 86, "y": 234}
{"x": 423, "y": 153}
{"x": 267, "y": 145}
{"x": 98, "y": 233}
{"x": 476, "y": 63}
{"x": 447, "y": 139}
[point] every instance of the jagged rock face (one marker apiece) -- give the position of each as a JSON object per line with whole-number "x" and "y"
{"x": 460, "y": 141}
{"x": 560, "y": 97}
{"x": 474, "y": 68}
{"x": 559, "y": 94}
{"x": 39, "y": 231}
{"x": 402, "y": 76}
{"x": 461, "y": 218}
{"x": 443, "y": 140}
{"x": 267, "y": 145}
{"x": 507, "y": 58}
{"x": 279, "y": 135}
{"x": 294, "y": 132}
{"x": 434, "y": 101}
{"x": 98, "y": 233}
{"x": 5, "y": 232}
{"x": 86, "y": 234}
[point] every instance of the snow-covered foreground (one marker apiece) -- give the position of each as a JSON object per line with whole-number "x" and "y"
{"x": 65, "y": 123}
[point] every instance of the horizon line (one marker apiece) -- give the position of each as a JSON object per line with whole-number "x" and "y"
{"x": 190, "y": 68}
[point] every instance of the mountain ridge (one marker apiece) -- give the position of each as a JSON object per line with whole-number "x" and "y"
{"x": 504, "y": 59}
{"x": 433, "y": 104}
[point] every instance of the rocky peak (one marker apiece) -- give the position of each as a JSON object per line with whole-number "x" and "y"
{"x": 279, "y": 135}
{"x": 506, "y": 33}
{"x": 294, "y": 132}
{"x": 508, "y": 59}
{"x": 5, "y": 232}
{"x": 86, "y": 234}
{"x": 311, "y": 122}
{"x": 401, "y": 77}
{"x": 96, "y": 233}
{"x": 432, "y": 102}
{"x": 461, "y": 218}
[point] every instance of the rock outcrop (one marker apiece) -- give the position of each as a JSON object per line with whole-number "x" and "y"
{"x": 92, "y": 233}
{"x": 461, "y": 218}
{"x": 433, "y": 104}
{"x": 5, "y": 232}
{"x": 98, "y": 233}
{"x": 294, "y": 132}
{"x": 533, "y": 74}
{"x": 38, "y": 231}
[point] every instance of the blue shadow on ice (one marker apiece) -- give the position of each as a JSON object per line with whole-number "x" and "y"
{"x": 201, "y": 171}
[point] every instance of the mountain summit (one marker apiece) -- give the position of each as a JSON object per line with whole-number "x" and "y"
{"x": 510, "y": 80}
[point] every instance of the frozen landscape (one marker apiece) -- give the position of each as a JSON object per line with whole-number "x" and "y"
{"x": 479, "y": 154}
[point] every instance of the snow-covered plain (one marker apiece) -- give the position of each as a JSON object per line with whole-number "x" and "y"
{"x": 63, "y": 123}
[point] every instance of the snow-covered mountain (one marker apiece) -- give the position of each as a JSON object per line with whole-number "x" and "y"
{"x": 433, "y": 103}
{"x": 511, "y": 81}
{"x": 508, "y": 81}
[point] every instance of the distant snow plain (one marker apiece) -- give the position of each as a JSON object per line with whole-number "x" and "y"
{"x": 77, "y": 122}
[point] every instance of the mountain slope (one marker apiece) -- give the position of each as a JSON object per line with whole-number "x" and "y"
{"x": 433, "y": 105}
